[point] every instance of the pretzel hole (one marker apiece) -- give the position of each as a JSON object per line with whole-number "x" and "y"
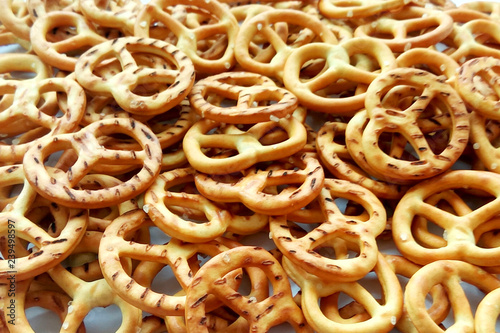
{"x": 163, "y": 280}
{"x": 428, "y": 234}
{"x": 212, "y": 47}
{"x": 157, "y": 236}
{"x": 110, "y": 317}
{"x": 63, "y": 33}
{"x": 338, "y": 249}
{"x": 41, "y": 319}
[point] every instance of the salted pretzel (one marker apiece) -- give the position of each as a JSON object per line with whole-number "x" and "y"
{"x": 451, "y": 274}
{"x": 119, "y": 14}
{"x": 483, "y": 134}
{"x": 39, "y": 8}
{"x": 57, "y": 54}
{"x": 303, "y": 177}
{"x": 176, "y": 80}
{"x": 256, "y": 97}
{"x": 382, "y": 317}
{"x": 400, "y": 26}
{"x": 15, "y": 17}
{"x": 263, "y": 26}
{"x": 340, "y": 66}
{"x": 487, "y": 313}
{"x": 342, "y": 9}
{"x": 62, "y": 186}
{"x": 478, "y": 84}
{"x": 338, "y": 231}
{"x": 490, "y": 8}
{"x": 220, "y": 29}
{"x": 459, "y": 242}
{"x": 245, "y": 142}
{"x": 117, "y": 246}
{"x": 261, "y": 315}
{"x": 432, "y": 98}
{"x": 52, "y": 243}
{"x": 39, "y": 120}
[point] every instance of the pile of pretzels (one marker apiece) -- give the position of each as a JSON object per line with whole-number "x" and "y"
{"x": 220, "y": 166}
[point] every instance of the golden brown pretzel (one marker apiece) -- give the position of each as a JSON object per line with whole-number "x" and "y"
{"x": 432, "y": 25}
{"x": 39, "y": 8}
{"x": 451, "y": 274}
{"x": 490, "y": 8}
{"x": 357, "y": 9}
{"x": 57, "y": 53}
{"x": 432, "y": 98}
{"x": 261, "y": 314}
{"x": 487, "y": 312}
{"x": 382, "y": 316}
{"x": 119, "y": 14}
{"x": 341, "y": 66}
{"x": 15, "y": 17}
{"x": 458, "y": 241}
{"x": 62, "y": 186}
{"x": 263, "y": 25}
{"x": 176, "y": 80}
{"x": 220, "y": 29}
{"x": 246, "y": 143}
{"x": 338, "y": 231}
{"x": 257, "y": 98}
{"x": 303, "y": 178}
{"x": 483, "y": 135}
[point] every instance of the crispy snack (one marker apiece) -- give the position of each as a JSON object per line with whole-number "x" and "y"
{"x": 249, "y": 150}
{"x": 260, "y": 314}
{"x": 256, "y": 98}
{"x": 301, "y": 176}
{"x": 118, "y": 14}
{"x": 395, "y": 111}
{"x": 342, "y": 9}
{"x": 171, "y": 83}
{"x": 487, "y": 312}
{"x": 39, "y": 8}
{"x": 382, "y": 316}
{"x": 217, "y": 29}
{"x": 338, "y": 231}
{"x": 419, "y": 206}
{"x": 483, "y": 135}
{"x": 265, "y": 28}
{"x": 348, "y": 66}
{"x": 63, "y": 186}
{"x": 409, "y": 27}
{"x": 15, "y": 17}
{"x": 451, "y": 274}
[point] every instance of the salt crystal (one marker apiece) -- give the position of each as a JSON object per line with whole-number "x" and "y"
{"x": 259, "y": 26}
{"x": 145, "y": 208}
{"x": 407, "y": 46}
{"x": 65, "y": 325}
{"x": 143, "y": 24}
{"x": 403, "y": 237}
{"x": 274, "y": 118}
{"x": 475, "y": 146}
{"x": 226, "y": 258}
{"x": 394, "y": 320}
{"x": 494, "y": 166}
{"x": 442, "y": 68}
{"x": 227, "y": 65}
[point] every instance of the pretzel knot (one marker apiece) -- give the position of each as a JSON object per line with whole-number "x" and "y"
{"x": 174, "y": 80}
{"x": 338, "y": 231}
{"x": 257, "y": 98}
{"x": 261, "y": 314}
{"x": 303, "y": 179}
{"x": 398, "y": 102}
{"x": 419, "y": 206}
{"x": 62, "y": 187}
{"x": 451, "y": 274}
{"x": 246, "y": 143}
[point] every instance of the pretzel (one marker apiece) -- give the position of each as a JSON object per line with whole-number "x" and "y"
{"x": 261, "y": 315}
{"x": 487, "y": 312}
{"x": 431, "y": 94}
{"x": 339, "y": 67}
{"x": 399, "y": 26}
{"x": 246, "y": 143}
{"x": 479, "y": 86}
{"x": 272, "y": 64}
{"x": 451, "y": 274}
{"x": 15, "y": 17}
{"x": 357, "y": 9}
{"x": 303, "y": 178}
{"x": 221, "y": 31}
{"x": 483, "y": 135}
{"x": 257, "y": 98}
{"x": 119, "y": 14}
{"x": 382, "y": 316}
{"x": 337, "y": 231}
{"x": 490, "y": 8}
{"x": 39, "y": 8}
{"x": 52, "y": 244}
{"x": 61, "y": 186}
{"x": 459, "y": 242}
{"x": 178, "y": 79}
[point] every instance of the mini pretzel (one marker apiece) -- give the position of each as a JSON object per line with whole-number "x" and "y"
{"x": 400, "y": 26}
{"x": 478, "y": 83}
{"x": 354, "y": 232}
{"x": 15, "y": 17}
{"x": 304, "y": 180}
{"x": 433, "y": 96}
{"x": 39, "y": 8}
{"x": 483, "y": 134}
{"x": 255, "y": 102}
{"x": 451, "y": 274}
{"x": 188, "y": 38}
{"x": 339, "y": 67}
{"x": 261, "y": 315}
{"x": 119, "y": 14}
{"x": 460, "y": 243}
{"x": 490, "y": 8}
{"x": 57, "y": 53}
{"x": 246, "y": 143}
{"x": 487, "y": 312}
{"x": 357, "y": 9}
{"x": 382, "y": 316}
{"x": 62, "y": 186}
{"x": 177, "y": 79}
{"x": 263, "y": 25}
